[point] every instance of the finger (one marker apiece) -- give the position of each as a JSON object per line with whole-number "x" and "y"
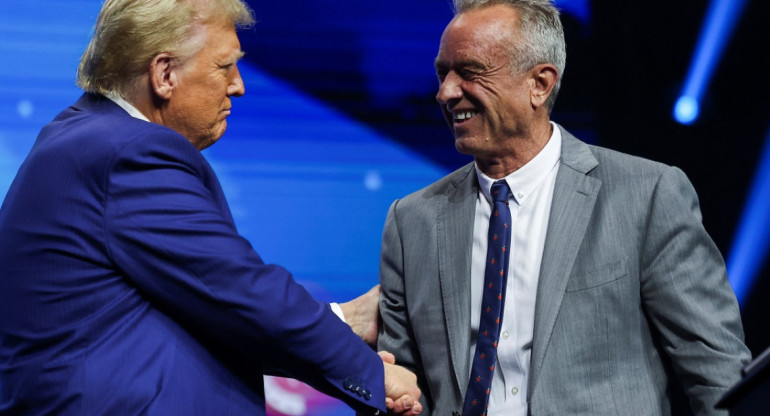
{"x": 387, "y": 357}
{"x": 403, "y": 404}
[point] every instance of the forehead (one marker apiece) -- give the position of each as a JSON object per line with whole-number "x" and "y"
{"x": 480, "y": 32}
{"x": 220, "y": 41}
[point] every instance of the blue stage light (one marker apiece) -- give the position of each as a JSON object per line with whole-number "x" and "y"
{"x": 751, "y": 242}
{"x": 721, "y": 17}
{"x": 686, "y": 110}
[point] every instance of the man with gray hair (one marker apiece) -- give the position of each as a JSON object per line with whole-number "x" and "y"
{"x": 549, "y": 277}
{"x": 125, "y": 287}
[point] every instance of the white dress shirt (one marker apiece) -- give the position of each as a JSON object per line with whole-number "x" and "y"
{"x": 130, "y": 109}
{"x": 531, "y": 194}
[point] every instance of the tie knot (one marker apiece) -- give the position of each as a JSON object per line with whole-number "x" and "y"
{"x": 500, "y": 191}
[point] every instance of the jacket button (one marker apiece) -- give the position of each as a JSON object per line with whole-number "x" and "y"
{"x": 348, "y": 384}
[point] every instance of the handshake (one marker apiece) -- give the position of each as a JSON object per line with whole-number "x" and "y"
{"x": 362, "y": 314}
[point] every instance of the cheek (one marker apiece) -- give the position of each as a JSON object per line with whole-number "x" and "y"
{"x": 207, "y": 106}
{"x": 513, "y": 103}
{"x": 492, "y": 100}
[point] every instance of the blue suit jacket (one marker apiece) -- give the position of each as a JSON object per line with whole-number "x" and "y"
{"x": 125, "y": 288}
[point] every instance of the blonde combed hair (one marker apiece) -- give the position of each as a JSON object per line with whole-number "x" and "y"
{"x": 130, "y": 33}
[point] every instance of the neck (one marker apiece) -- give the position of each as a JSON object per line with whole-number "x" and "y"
{"x": 141, "y": 98}
{"x": 519, "y": 152}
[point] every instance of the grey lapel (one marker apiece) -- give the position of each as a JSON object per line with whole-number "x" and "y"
{"x": 455, "y": 244}
{"x": 573, "y": 202}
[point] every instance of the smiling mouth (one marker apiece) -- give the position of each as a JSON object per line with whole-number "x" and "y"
{"x": 462, "y": 116}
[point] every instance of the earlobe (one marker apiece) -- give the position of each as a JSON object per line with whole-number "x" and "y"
{"x": 163, "y": 76}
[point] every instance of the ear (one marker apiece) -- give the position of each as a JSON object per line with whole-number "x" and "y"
{"x": 163, "y": 75}
{"x": 544, "y": 77}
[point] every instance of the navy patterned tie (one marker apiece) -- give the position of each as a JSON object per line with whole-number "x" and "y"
{"x": 493, "y": 298}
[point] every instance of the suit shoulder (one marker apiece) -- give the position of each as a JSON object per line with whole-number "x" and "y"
{"x": 633, "y": 176}
{"x": 615, "y": 164}
{"x": 442, "y": 187}
{"x": 92, "y": 146}
{"x": 96, "y": 137}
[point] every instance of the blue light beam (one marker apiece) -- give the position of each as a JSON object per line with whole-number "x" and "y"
{"x": 721, "y": 17}
{"x": 751, "y": 242}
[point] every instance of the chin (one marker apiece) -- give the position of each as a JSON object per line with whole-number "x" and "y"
{"x": 465, "y": 145}
{"x": 205, "y": 142}
{"x": 213, "y": 137}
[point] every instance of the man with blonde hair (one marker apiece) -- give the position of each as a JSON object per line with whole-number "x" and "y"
{"x": 126, "y": 288}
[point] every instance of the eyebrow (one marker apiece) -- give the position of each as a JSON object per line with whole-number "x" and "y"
{"x": 461, "y": 63}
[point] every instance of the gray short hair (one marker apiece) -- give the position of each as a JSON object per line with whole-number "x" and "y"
{"x": 542, "y": 36}
{"x": 130, "y": 33}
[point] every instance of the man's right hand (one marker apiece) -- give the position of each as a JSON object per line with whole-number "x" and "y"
{"x": 401, "y": 391}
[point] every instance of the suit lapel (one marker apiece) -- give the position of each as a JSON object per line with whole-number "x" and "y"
{"x": 573, "y": 203}
{"x": 455, "y": 240}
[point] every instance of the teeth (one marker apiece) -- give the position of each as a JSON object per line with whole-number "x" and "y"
{"x": 464, "y": 115}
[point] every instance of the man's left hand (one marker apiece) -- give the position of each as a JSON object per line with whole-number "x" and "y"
{"x": 362, "y": 314}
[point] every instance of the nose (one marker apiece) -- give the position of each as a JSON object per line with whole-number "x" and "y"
{"x": 449, "y": 89}
{"x": 236, "y": 87}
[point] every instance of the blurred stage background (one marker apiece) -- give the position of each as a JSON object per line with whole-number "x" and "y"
{"x": 340, "y": 100}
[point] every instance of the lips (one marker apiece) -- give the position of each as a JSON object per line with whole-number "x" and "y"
{"x": 461, "y": 116}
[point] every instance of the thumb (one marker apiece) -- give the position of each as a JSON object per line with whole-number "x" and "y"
{"x": 387, "y": 357}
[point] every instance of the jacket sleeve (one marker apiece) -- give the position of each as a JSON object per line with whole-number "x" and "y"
{"x": 170, "y": 233}
{"x": 395, "y": 330}
{"x": 686, "y": 294}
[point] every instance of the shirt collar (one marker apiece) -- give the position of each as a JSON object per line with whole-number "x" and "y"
{"x": 130, "y": 109}
{"x": 526, "y": 179}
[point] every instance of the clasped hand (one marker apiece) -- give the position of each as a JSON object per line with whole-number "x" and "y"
{"x": 401, "y": 391}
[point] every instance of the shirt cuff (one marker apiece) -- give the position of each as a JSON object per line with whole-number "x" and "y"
{"x": 338, "y": 311}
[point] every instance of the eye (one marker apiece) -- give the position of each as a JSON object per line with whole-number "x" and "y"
{"x": 441, "y": 71}
{"x": 226, "y": 67}
{"x": 466, "y": 73}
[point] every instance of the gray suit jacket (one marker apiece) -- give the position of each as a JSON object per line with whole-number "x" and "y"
{"x": 633, "y": 305}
